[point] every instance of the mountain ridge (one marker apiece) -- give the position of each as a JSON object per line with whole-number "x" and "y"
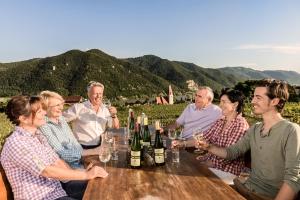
{"x": 68, "y": 73}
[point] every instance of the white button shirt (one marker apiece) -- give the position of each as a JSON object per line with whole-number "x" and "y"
{"x": 87, "y": 125}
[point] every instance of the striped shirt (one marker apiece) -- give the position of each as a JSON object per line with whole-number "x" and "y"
{"x": 24, "y": 157}
{"x": 62, "y": 140}
{"x": 192, "y": 118}
{"x": 224, "y": 138}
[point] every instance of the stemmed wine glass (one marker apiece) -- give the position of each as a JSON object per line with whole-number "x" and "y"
{"x": 104, "y": 155}
{"x": 198, "y": 136}
{"x": 107, "y": 104}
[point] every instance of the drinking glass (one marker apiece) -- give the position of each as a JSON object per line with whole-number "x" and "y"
{"x": 175, "y": 154}
{"x": 172, "y": 134}
{"x": 108, "y": 136}
{"x": 114, "y": 151}
{"x": 126, "y": 135}
{"x": 104, "y": 155}
{"x": 107, "y": 103}
{"x": 198, "y": 136}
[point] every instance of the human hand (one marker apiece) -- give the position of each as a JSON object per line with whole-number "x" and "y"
{"x": 176, "y": 143}
{"x": 112, "y": 110}
{"x": 202, "y": 144}
{"x": 95, "y": 172}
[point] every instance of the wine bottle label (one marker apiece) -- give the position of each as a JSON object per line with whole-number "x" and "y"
{"x": 146, "y": 144}
{"x": 145, "y": 121}
{"x": 141, "y": 142}
{"x": 138, "y": 119}
{"x": 159, "y": 155}
{"x": 135, "y": 159}
{"x": 157, "y": 125}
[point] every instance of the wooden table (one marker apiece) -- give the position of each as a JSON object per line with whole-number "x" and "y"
{"x": 186, "y": 180}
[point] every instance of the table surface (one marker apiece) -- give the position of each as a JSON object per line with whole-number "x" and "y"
{"x": 185, "y": 180}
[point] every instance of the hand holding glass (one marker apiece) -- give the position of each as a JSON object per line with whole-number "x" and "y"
{"x": 198, "y": 136}
{"x": 107, "y": 103}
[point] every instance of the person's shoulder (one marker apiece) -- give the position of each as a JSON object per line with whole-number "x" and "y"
{"x": 80, "y": 105}
{"x": 293, "y": 127}
{"x": 14, "y": 140}
{"x": 255, "y": 126}
{"x": 215, "y": 107}
{"x": 190, "y": 106}
{"x": 241, "y": 119}
{"x": 45, "y": 129}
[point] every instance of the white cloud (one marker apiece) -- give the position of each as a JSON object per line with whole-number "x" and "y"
{"x": 285, "y": 49}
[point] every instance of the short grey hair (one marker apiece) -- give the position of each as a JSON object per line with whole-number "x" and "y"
{"x": 210, "y": 92}
{"x": 94, "y": 84}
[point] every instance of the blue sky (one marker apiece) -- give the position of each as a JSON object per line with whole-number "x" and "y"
{"x": 261, "y": 34}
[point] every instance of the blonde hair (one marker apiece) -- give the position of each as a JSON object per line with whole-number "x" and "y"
{"x": 46, "y": 95}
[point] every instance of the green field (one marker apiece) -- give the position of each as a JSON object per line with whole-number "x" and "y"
{"x": 166, "y": 114}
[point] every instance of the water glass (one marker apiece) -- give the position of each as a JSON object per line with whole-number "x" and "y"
{"x": 104, "y": 155}
{"x": 126, "y": 135}
{"x": 175, "y": 155}
{"x": 114, "y": 152}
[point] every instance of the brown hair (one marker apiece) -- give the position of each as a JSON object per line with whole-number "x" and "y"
{"x": 22, "y": 105}
{"x": 276, "y": 89}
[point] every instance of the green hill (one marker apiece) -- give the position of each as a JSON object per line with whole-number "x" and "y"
{"x": 69, "y": 73}
{"x": 247, "y": 73}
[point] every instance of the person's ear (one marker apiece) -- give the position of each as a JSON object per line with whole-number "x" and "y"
{"x": 275, "y": 101}
{"x": 23, "y": 119}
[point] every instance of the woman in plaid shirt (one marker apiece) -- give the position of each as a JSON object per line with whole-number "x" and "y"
{"x": 226, "y": 131}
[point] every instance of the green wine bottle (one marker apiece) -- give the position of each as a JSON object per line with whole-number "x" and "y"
{"x": 135, "y": 154}
{"x": 131, "y": 126}
{"x": 138, "y": 119}
{"x": 159, "y": 151}
{"x": 146, "y": 136}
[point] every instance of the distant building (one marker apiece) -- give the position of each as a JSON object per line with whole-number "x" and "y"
{"x": 161, "y": 101}
{"x": 171, "y": 97}
{"x": 73, "y": 99}
{"x": 192, "y": 85}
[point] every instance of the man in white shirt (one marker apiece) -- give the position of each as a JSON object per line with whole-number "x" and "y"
{"x": 199, "y": 115}
{"x": 90, "y": 118}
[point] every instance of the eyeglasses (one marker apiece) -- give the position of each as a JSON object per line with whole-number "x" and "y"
{"x": 57, "y": 105}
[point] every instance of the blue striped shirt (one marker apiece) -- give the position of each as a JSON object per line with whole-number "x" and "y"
{"x": 62, "y": 140}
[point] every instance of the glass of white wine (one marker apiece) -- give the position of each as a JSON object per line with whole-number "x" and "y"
{"x": 104, "y": 155}
{"x": 198, "y": 136}
{"x": 107, "y": 104}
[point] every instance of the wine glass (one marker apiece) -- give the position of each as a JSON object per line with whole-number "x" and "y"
{"x": 104, "y": 155}
{"x": 172, "y": 134}
{"x": 198, "y": 136}
{"x": 107, "y": 103}
{"x": 108, "y": 136}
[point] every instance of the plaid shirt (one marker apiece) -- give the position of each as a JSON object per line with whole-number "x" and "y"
{"x": 224, "y": 138}
{"x": 62, "y": 140}
{"x": 24, "y": 157}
